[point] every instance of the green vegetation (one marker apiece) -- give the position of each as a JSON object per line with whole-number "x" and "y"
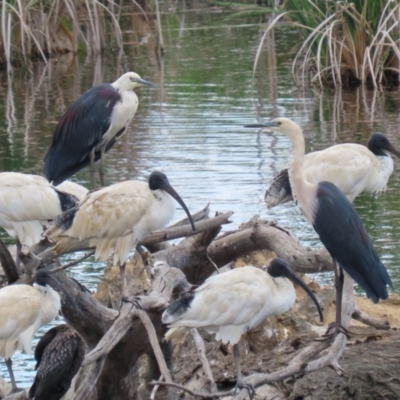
{"x": 346, "y": 43}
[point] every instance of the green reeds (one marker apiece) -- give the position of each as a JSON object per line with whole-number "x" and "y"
{"x": 43, "y": 28}
{"x": 346, "y": 43}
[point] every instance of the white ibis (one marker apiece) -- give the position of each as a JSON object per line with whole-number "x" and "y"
{"x": 234, "y": 302}
{"x": 27, "y": 202}
{"x": 59, "y": 355}
{"x": 73, "y": 188}
{"x": 352, "y": 167}
{"x": 23, "y": 310}
{"x": 336, "y": 222}
{"x": 91, "y": 126}
{"x": 117, "y": 217}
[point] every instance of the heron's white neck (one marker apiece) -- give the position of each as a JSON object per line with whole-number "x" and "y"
{"x": 303, "y": 192}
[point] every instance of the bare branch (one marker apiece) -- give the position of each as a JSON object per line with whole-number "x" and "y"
{"x": 8, "y": 264}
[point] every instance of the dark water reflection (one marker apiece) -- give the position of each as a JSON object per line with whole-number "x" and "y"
{"x": 190, "y": 126}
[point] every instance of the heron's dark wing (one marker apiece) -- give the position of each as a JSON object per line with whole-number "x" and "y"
{"x": 79, "y": 130}
{"x": 343, "y": 234}
{"x": 60, "y": 362}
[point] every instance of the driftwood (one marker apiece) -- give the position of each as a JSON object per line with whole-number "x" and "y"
{"x": 120, "y": 341}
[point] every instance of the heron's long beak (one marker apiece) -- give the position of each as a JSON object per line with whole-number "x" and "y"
{"x": 294, "y": 278}
{"x": 170, "y": 190}
{"x": 143, "y": 82}
{"x": 264, "y": 125}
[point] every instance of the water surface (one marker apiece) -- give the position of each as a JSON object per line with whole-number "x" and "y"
{"x": 190, "y": 126}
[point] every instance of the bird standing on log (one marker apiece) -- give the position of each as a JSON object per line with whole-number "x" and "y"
{"x": 91, "y": 126}
{"x": 336, "y": 222}
{"x": 27, "y": 202}
{"x": 59, "y": 355}
{"x": 352, "y": 167}
{"x": 23, "y": 310}
{"x": 117, "y": 217}
{"x": 234, "y": 302}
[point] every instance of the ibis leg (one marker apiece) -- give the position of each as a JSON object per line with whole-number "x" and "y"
{"x": 17, "y": 260}
{"x": 101, "y": 168}
{"x": 239, "y": 376}
{"x": 11, "y": 373}
{"x": 92, "y": 178}
{"x": 339, "y": 282}
{"x": 124, "y": 295}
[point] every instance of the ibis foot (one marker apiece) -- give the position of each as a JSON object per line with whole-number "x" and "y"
{"x": 250, "y": 388}
{"x": 133, "y": 300}
{"x": 328, "y": 335}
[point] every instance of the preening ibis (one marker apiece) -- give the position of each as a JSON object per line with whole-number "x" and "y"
{"x": 23, "y": 310}
{"x": 234, "y": 302}
{"x": 336, "y": 222}
{"x": 27, "y": 202}
{"x": 73, "y": 188}
{"x": 91, "y": 126}
{"x": 352, "y": 167}
{"x": 117, "y": 217}
{"x": 59, "y": 355}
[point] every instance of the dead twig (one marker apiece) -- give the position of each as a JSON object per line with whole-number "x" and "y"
{"x": 201, "y": 350}
{"x": 72, "y": 263}
{"x": 194, "y": 394}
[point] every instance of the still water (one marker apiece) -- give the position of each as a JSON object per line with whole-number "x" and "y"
{"x": 190, "y": 126}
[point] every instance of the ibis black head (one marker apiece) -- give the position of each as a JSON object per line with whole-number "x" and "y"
{"x": 159, "y": 181}
{"x": 379, "y": 142}
{"x": 280, "y": 268}
{"x": 45, "y": 278}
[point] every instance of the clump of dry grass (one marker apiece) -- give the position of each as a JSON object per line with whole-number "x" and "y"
{"x": 345, "y": 43}
{"x": 43, "y": 28}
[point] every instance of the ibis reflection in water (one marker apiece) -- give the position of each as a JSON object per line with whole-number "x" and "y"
{"x": 91, "y": 126}
{"x": 352, "y": 167}
{"x": 23, "y": 310}
{"x": 234, "y": 302}
{"x": 336, "y": 222}
{"x": 117, "y": 217}
{"x": 59, "y": 355}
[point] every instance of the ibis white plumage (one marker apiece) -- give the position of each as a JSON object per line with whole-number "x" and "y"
{"x": 116, "y": 218}
{"x": 352, "y": 167}
{"x": 27, "y": 202}
{"x": 91, "y": 126}
{"x": 73, "y": 188}
{"x": 336, "y": 222}
{"x": 234, "y": 302}
{"x": 23, "y": 310}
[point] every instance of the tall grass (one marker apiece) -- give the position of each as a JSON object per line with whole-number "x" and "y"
{"x": 44, "y": 28}
{"x": 346, "y": 43}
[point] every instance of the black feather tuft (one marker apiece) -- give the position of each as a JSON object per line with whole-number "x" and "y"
{"x": 65, "y": 220}
{"x": 67, "y": 200}
{"x": 178, "y": 307}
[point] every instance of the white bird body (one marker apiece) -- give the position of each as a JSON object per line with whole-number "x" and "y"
{"x": 27, "y": 202}
{"x": 234, "y": 302}
{"x": 117, "y": 217}
{"x": 352, "y": 167}
{"x": 73, "y": 188}
{"x": 23, "y": 310}
{"x": 123, "y": 111}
